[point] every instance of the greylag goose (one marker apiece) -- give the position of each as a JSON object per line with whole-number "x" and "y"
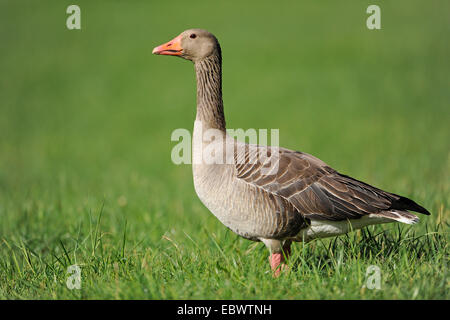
{"x": 295, "y": 198}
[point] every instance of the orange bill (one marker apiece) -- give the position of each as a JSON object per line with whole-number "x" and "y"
{"x": 171, "y": 48}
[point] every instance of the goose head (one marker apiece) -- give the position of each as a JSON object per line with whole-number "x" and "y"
{"x": 192, "y": 44}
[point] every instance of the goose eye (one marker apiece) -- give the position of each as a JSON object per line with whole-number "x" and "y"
{"x": 193, "y": 36}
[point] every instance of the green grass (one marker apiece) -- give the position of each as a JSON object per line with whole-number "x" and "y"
{"x": 85, "y": 124}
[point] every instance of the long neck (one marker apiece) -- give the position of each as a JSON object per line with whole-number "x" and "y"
{"x": 209, "y": 92}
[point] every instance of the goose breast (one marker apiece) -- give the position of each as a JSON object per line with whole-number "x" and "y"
{"x": 246, "y": 209}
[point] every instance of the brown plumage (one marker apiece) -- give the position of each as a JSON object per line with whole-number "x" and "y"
{"x": 320, "y": 192}
{"x": 295, "y": 198}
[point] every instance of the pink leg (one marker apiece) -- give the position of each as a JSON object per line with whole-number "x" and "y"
{"x": 277, "y": 259}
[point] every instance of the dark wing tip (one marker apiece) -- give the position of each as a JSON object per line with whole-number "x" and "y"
{"x": 408, "y": 204}
{"x": 397, "y": 202}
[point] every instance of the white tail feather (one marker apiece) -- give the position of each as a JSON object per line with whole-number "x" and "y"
{"x": 403, "y": 216}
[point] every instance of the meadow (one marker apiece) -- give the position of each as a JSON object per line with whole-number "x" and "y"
{"x": 86, "y": 116}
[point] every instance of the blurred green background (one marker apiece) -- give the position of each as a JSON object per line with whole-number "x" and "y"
{"x": 86, "y": 115}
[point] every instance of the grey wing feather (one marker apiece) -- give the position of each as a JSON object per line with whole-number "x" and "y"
{"x": 315, "y": 189}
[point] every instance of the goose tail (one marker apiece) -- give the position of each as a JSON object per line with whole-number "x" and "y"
{"x": 400, "y": 216}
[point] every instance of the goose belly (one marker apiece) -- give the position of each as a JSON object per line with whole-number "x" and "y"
{"x": 215, "y": 190}
{"x": 242, "y": 208}
{"x": 325, "y": 228}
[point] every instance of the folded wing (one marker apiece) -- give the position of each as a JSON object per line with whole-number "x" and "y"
{"x": 316, "y": 190}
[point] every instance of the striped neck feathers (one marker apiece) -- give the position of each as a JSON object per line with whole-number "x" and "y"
{"x": 209, "y": 92}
